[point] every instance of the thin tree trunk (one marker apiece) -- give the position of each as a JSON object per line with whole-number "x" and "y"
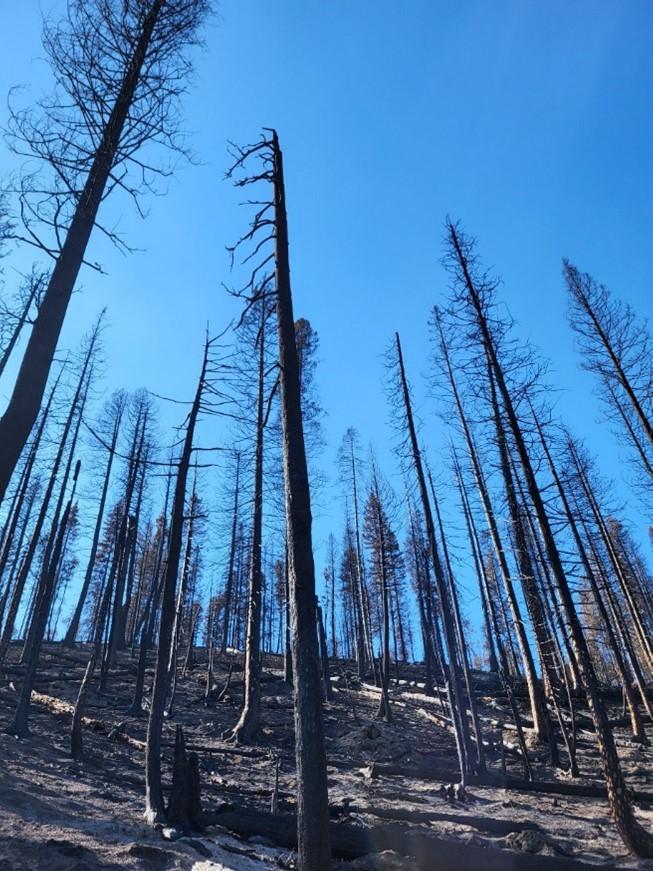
{"x": 478, "y": 735}
{"x": 232, "y": 557}
{"x": 73, "y": 628}
{"x": 20, "y": 323}
{"x": 527, "y": 577}
{"x": 452, "y": 674}
{"x": 26, "y": 564}
{"x": 19, "y": 725}
{"x": 478, "y": 565}
{"x": 154, "y": 807}
{"x": 248, "y": 724}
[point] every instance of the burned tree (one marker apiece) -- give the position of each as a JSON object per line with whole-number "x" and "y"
{"x": 472, "y": 302}
{"x": 270, "y": 226}
{"x": 115, "y": 411}
{"x": 385, "y": 563}
{"x": 617, "y": 348}
{"x": 248, "y": 724}
{"x": 154, "y": 805}
{"x": 412, "y": 453}
{"x": 349, "y": 467}
{"x": 119, "y": 70}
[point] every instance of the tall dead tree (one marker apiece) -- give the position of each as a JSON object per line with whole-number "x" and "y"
{"x": 229, "y": 585}
{"x": 523, "y": 559}
{"x": 502, "y": 662}
{"x": 460, "y": 634}
{"x": 19, "y": 724}
{"x": 16, "y": 513}
{"x": 349, "y": 474}
{"x": 478, "y": 564}
{"x": 248, "y": 724}
{"x": 28, "y": 557}
{"x": 42, "y": 587}
{"x": 528, "y": 664}
{"x": 330, "y": 581}
{"x": 417, "y": 550}
{"x": 154, "y": 805}
{"x": 379, "y": 539}
{"x": 270, "y": 225}
{"x": 119, "y": 69}
{"x": 453, "y": 675}
{"x": 117, "y": 410}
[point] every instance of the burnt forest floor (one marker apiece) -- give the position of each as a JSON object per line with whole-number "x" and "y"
{"x": 387, "y": 782}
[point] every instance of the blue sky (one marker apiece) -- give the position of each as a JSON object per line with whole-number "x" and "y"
{"x": 529, "y": 122}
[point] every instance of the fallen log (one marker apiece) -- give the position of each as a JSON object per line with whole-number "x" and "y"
{"x": 350, "y": 841}
{"x": 445, "y": 723}
{"x": 490, "y": 779}
{"x": 498, "y": 828}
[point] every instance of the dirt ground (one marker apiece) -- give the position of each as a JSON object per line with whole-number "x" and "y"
{"x": 58, "y": 814}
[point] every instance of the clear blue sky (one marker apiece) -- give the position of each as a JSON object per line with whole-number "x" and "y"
{"x": 530, "y": 122}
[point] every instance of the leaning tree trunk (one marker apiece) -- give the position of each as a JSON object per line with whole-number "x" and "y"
{"x": 636, "y": 720}
{"x": 56, "y": 516}
{"x": 314, "y": 853}
{"x": 23, "y": 407}
{"x": 154, "y": 806}
{"x": 534, "y": 694}
{"x": 453, "y": 679}
{"x": 20, "y": 323}
{"x": 19, "y": 725}
{"x": 502, "y": 665}
{"x": 527, "y": 576}
{"x": 12, "y": 523}
{"x": 478, "y": 565}
{"x": 26, "y": 564}
{"x": 462, "y": 644}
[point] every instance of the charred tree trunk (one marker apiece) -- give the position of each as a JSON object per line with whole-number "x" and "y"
{"x": 248, "y": 725}
{"x": 478, "y": 565}
{"x": 154, "y": 807}
{"x": 22, "y": 319}
{"x": 314, "y": 852}
{"x": 26, "y": 564}
{"x": 21, "y": 494}
{"x": 73, "y": 628}
{"x": 462, "y": 644}
{"x": 452, "y": 673}
{"x": 232, "y": 556}
{"x": 19, "y": 725}
{"x": 324, "y": 653}
{"x": 527, "y": 576}
{"x": 23, "y": 407}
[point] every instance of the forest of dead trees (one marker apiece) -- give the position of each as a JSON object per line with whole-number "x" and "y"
{"x": 113, "y": 542}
